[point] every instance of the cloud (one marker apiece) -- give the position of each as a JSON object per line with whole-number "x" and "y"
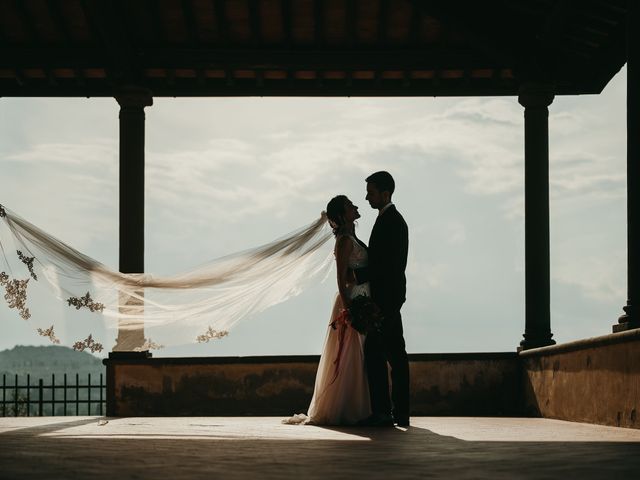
{"x": 77, "y": 156}
{"x": 227, "y": 174}
{"x": 456, "y": 232}
{"x": 70, "y": 190}
{"x": 583, "y": 174}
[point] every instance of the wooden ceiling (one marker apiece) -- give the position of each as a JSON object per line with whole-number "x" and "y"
{"x": 308, "y": 47}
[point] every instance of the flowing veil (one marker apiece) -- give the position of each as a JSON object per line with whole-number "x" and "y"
{"x": 147, "y": 311}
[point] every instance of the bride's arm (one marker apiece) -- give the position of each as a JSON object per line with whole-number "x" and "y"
{"x": 344, "y": 246}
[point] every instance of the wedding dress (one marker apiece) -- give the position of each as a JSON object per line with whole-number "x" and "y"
{"x": 341, "y": 391}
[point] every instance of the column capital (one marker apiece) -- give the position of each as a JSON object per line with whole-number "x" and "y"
{"x": 536, "y": 94}
{"x": 134, "y": 97}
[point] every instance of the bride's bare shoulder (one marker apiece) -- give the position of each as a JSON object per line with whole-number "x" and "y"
{"x": 344, "y": 244}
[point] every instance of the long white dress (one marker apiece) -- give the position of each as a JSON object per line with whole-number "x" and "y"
{"x": 341, "y": 392}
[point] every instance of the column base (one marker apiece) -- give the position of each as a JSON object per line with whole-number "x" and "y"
{"x": 111, "y": 372}
{"x": 628, "y": 320}
{"x": 623, "y": 327}
{"x": 535, "y": 342}
{"x": 129, "y": 355}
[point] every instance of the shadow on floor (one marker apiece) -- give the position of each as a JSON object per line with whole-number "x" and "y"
{"x": 368, "y": 452}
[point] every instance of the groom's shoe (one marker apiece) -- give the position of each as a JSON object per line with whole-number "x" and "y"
{"x": 402, "y": 422}
{"x": 376, "y": 420}
{"x": 382, "y": 421}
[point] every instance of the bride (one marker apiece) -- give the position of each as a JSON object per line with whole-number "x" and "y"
{"x": 341, "y": 391}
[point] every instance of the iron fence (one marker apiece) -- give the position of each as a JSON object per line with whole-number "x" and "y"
{"x": 40, "y": 399}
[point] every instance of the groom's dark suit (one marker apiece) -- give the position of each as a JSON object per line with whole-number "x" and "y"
{"x": 388, "y": 247}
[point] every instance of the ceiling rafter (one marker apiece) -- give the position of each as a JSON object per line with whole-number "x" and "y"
{"x": 190, "y": 22}
{"x": 415, "y": 23}
{"x": 275, "y": 89}
{"x": 206, "y": 57}
{"x": 383, "y": 21}
{"x": 254, "y": 21}
{"x": 351, "y": 22}
{"x": 192, "y": 33}
{"x": 319, "y": 25}
{"x": 28, "y": 22}
{"x": 451, "y": 15}
{"x": 579, "y": 42}
{"x": 34, "y": 38}
{"x": 105, "y": 18}
{"x": 157, "y": 25}
{"x": 220, "y": 8}
{"x": 53, "y": 8}
{"x": 287, "y": 23}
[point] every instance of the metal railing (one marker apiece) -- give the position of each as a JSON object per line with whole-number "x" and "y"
{"x": 39, "y": 399}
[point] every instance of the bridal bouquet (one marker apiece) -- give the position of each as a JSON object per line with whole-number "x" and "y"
{"x": 364, "y": 314}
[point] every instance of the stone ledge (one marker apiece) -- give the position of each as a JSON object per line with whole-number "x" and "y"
{"x": 274, "y": 359}
{"x": 610, "y": 339}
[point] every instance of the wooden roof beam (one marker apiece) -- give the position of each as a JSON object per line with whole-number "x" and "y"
{"x": 619, "y": 8}
{"x": 597, "y": 19}
{"x": 153, "y": 7}
{"x": 322, "y": 59}
{"x": 275, "y": 88}
{"x": 220, "y": 7}
{"x": 329, "y": 59}
{"x": 611, "y": 59}
{"x": 450, "y": 15}
{"x": 581, "y": 40}
{"x": 320, "y": 79}
{"x": 383, "y": 21}
{"x": 416, "y": 23}
{"x": 105, "y": 20}
{"x": 190, "y": 22}
{"x": 319, "y": 19}
{"x": 352, "y": 30}
{"x": 28, "y": 22}
{"x": 53, "y": 8}
{"x": 593, "y": 31}
{"x": 553, "y": 24}
{"x": 19, "y": 77}
{"x": 287, "y": 22}
{"x": 254, "y": 22}
{"x": 192, "y": 33}
{"x": 35, "y": 39}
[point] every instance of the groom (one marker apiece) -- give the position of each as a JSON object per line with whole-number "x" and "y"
{"x": 388, "y": 248}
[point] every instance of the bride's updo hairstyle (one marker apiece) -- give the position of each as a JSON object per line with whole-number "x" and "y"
{"x": 335, "y": 213}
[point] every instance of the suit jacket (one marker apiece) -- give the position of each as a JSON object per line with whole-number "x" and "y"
{"x": 388, "y": 248}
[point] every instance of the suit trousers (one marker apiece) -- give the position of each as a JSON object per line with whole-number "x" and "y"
{"x": 380, "y": 348}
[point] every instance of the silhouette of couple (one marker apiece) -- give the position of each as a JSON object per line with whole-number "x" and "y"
{"x": 352, "y": 382}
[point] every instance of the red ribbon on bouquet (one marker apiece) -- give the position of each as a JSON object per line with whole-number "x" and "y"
{"x": 341, "y": 323}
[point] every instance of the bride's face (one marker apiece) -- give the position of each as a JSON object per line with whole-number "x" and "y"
{"x": 351, "y": 213}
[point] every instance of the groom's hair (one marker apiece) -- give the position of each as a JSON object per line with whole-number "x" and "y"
{"x": 383, "y": 181}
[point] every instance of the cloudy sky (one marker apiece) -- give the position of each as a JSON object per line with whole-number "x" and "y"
{"x": 227, "y": 174}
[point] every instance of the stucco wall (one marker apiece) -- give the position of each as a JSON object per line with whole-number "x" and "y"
{"x": 441, "y": 384}
{"x": 595, "y": 380}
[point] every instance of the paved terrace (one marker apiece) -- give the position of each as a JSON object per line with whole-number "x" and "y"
{"x": 261, "y": 447}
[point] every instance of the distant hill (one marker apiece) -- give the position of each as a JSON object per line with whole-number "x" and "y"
{"x": 41, "y": 362}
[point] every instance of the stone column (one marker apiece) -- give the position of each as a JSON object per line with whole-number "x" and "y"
{"x": 631, "y": 317}
{"x": 535, "y": 98}
{"x": 132, "y": 103}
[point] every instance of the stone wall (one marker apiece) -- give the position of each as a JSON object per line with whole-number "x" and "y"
{"x": 441, "y": 384}
{"x": 596, "y": 380}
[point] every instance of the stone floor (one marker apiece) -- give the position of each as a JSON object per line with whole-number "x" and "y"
{"x": 250, "y": 447}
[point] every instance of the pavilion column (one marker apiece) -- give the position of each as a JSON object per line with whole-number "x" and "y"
{"x": 535, "y": 98}
{"x": 132, "y": 118}
{"x": 631, "y": 317}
